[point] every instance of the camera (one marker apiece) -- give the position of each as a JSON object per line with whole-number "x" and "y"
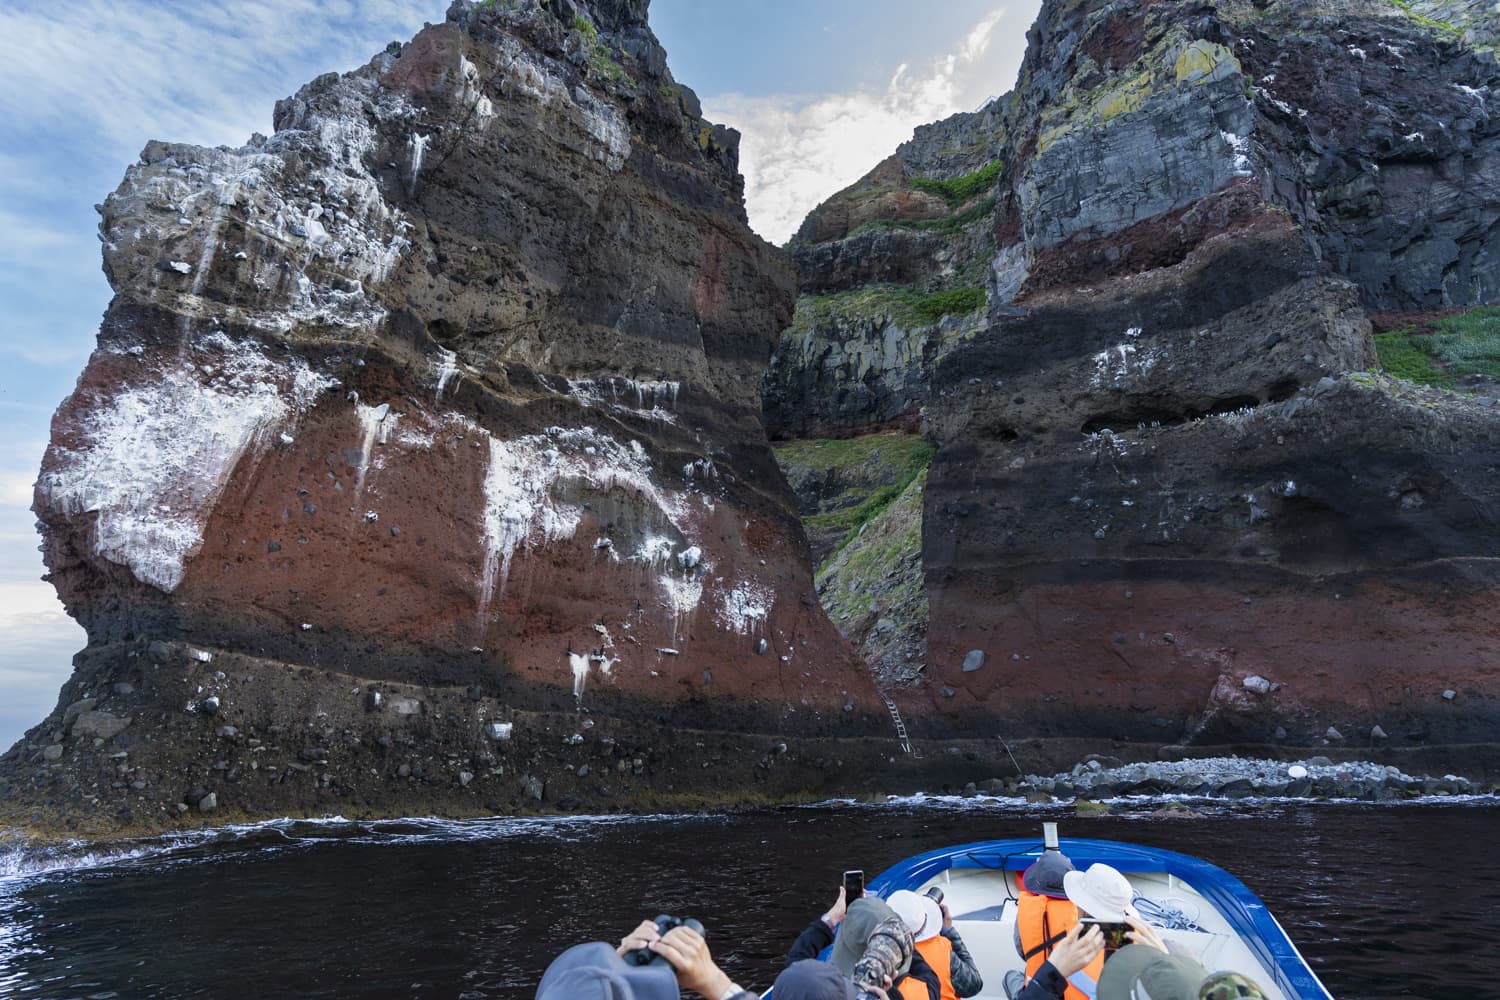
{"x": 664, "y": 923}
{"x": 936, "y": 894}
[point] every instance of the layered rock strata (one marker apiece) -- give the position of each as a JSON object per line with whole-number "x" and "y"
{"x": 1162, "y": 507}
{"x": 450, "y": 385}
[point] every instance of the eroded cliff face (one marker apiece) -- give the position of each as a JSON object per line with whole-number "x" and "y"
{"x": 1164, "y": 505}
{"x": 437, "y": 407}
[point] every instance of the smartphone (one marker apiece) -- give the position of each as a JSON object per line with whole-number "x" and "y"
{"x": 854, "y": 885}
{"x": 1114, "y": 933}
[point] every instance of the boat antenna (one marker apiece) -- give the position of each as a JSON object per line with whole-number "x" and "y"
{"x": 1049, "y": 837}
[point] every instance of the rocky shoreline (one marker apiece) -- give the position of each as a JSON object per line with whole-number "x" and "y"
{"x": 1098, "y": 778}
{"x": 576, "y": 763}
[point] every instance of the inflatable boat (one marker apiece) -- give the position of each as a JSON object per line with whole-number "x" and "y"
{"x": 1199, "y": 909}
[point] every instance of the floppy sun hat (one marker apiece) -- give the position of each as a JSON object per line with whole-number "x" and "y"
{"x": 1101, "y": 892}
{"x": 1141, "y": 972}
{"x": 908, "y": 906}
{"x": 933, "y": 926}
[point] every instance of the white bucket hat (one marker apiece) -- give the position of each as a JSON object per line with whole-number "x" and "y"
{"x": 1101, "y": 892}
{"x": 921, "y": 914}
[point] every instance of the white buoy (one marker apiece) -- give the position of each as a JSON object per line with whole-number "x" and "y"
{"x": 1296, "y": 771}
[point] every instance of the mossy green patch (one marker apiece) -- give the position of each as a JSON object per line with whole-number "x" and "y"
{"x": 878, "y": 468}
{"x": 1450, "y": 348}
{"x": 1403, "y": 357}
{"x": 900, "y": 303}
{"x": 1469, "y": 344}
{"x": 947, "y": 225}
{"x": 959, "y": 190}
{"x": 954, "y": 302}
{"x": 586, "y": 28}
{"x": 870, "y": 570}
{"x": 1432, "y": 24}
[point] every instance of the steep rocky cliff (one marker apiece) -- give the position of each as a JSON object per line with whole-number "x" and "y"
{"x": 420, "y": 426}
{"x": 1163, "y": 506}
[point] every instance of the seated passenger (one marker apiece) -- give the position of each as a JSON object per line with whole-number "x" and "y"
{"x": 938, "y": 942}
{"x": 1146, "y": 969}
{"x": 595, "y": 971}
{"x": 1044, "y": 916}
{"x": 854, "y": 925}
{"x": 1076, "y": 951}
{"x": 811, "y": 979}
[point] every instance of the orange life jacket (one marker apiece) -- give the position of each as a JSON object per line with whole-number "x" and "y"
{"x": 1044, "y": 921}
{"x": 938, "y": 951}
{"x": 912, "y": 989}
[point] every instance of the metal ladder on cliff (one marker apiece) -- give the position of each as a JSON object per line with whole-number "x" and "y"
{"x": 901, "y": 728}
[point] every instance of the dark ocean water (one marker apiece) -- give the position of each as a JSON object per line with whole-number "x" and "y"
{"x": 1384, "y": 901}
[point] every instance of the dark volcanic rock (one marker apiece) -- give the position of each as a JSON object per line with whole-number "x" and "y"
{"x": 495, "y": 289}
{"x": 1159, "y": 473}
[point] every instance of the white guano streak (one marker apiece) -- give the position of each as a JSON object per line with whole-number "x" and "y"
{"x": 520, "y": 505}
{"x": 158, "y": 454}
{"x": 375, "y": 424}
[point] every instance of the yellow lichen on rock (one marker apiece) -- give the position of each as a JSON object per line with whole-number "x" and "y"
{"x": 1202, "y": 60}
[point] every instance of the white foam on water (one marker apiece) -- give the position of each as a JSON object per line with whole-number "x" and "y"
{"x": 20, "y": 861}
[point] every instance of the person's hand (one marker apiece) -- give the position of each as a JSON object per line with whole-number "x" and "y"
{"x": 1145, "y": 934}
{"x": 947, "y": 917}
{"x": 688, "y": 953}
{"x": 879, "y": 991}
{"x": 835, "y": 914}
{"x": 1076, "y": 950}
{"x": 641, "y": 937}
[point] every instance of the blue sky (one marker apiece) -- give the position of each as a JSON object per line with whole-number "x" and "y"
{"x": 821, "y": 89}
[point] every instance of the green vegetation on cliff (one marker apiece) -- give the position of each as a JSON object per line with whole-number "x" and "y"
{"x": 947, "y": 225}
{"x": 902, "y": 304}
{"x": 1431, "y": 23}
{"x": 859, "y": 566}
{"x": 958, "y": 190}
{"x": 1448, "y": 349}
{"x": 892, "y": 460}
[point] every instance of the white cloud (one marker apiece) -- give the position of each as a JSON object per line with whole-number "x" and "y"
{"x": 798, "y": 150}
{"x": 36, "y": 656}
{"x": 206, "y": 73}
{"x": 15, "y": 488}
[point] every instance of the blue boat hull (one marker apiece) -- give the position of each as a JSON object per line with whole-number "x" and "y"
{"x": 1240, "y": 908}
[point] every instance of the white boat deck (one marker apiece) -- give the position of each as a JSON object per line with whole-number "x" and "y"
{"x": 983, "y": 906}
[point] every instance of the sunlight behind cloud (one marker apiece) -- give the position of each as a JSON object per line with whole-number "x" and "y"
{"x": 798, "y": 150}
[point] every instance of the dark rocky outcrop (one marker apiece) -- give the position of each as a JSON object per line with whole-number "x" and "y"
{"x": 447, "y": 392}
{"x": 1160, "y": 476}
{"x": 423, "y": 463}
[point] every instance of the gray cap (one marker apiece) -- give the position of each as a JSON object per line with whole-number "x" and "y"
{"x": 594, "y": 971}
{"x": 1045, "y": 878}
{"x": 811, "y": 979}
